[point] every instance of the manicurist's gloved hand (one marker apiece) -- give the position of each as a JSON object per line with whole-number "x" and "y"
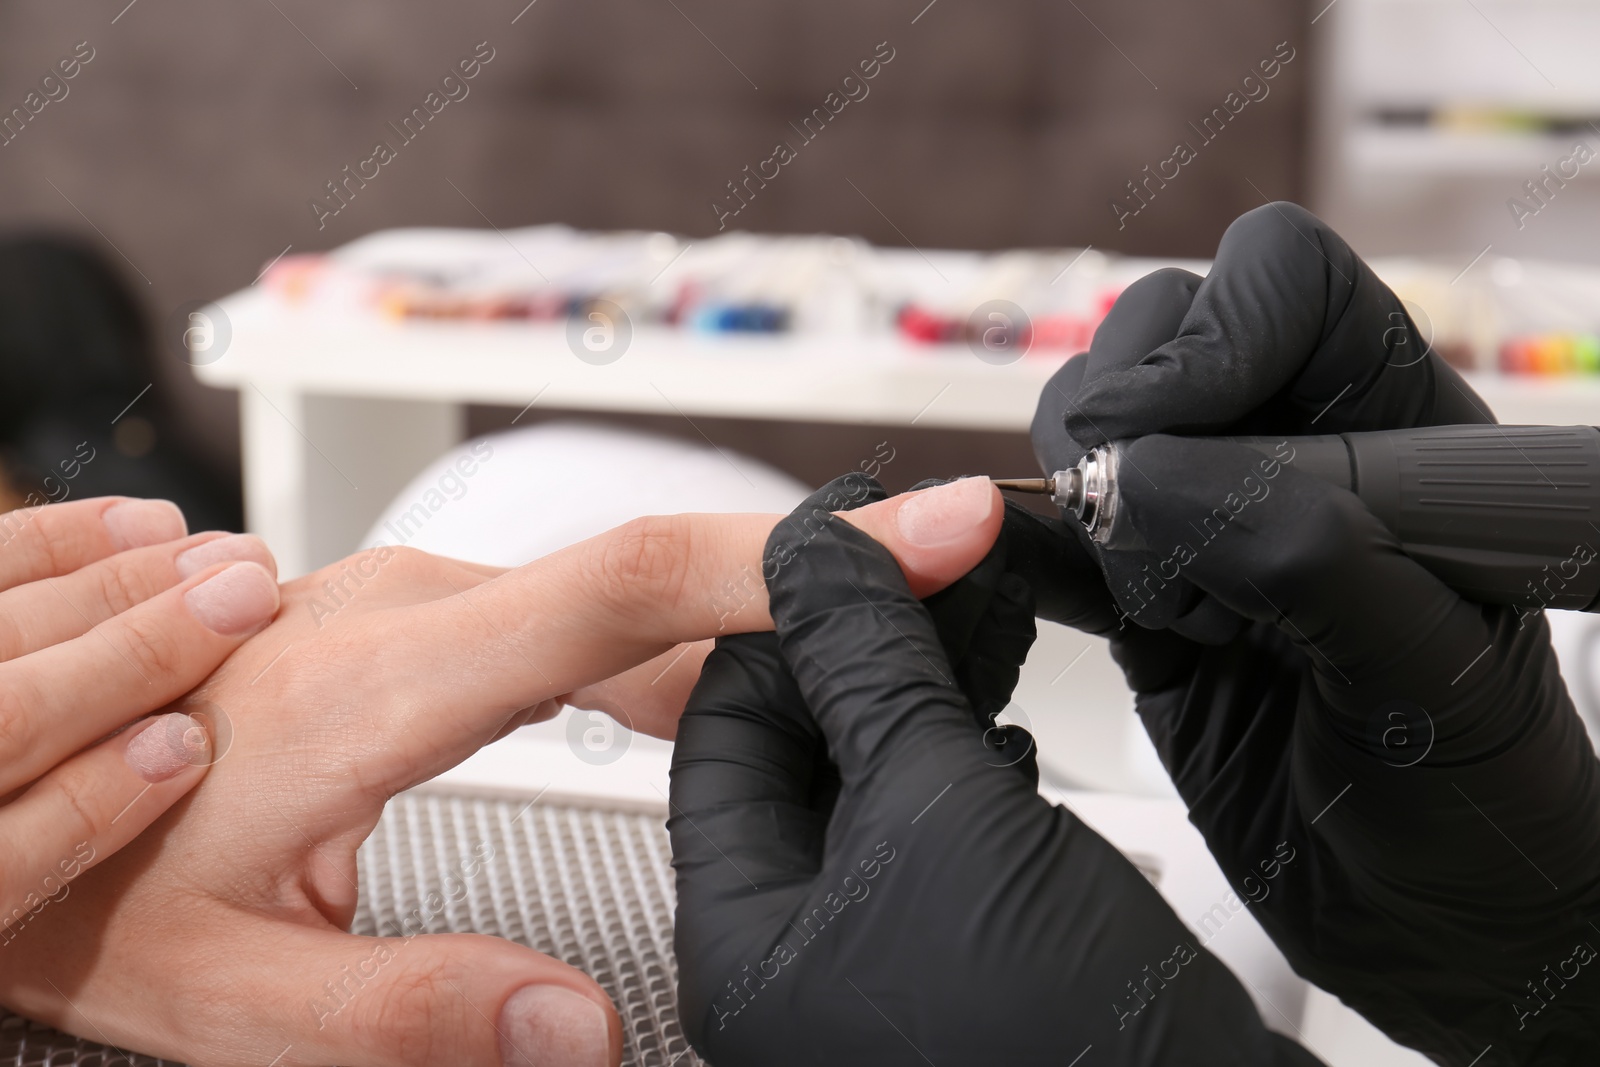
{"x": 865, "y": 870}
{"x": 1417, "y": 753}
{"x": 218, "y": 936}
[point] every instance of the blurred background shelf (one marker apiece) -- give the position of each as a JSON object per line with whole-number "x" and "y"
{"x": 1431, "y": 114}
{"x": 338, "y": 412}
{"x": 1376, "y": 152}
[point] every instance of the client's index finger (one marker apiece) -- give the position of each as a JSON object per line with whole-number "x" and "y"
{"x": 55, "y": 539}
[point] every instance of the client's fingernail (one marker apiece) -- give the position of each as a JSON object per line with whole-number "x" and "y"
{"x": 240, "y": 548}
{"x": 166, "y": 746}
{"x": 551, "y": 1026}
{"x": 939, "y": 515}
{"x": 234, "y": 601}
{"x": 136, "y": 523}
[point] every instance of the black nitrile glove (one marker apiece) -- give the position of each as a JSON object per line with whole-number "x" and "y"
{"x": 1417, "y": 753}
{"x": 863, "y": 880}
{"x": 1291, "y": 333}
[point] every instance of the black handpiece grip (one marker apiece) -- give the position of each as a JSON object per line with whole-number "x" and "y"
{"x": 1502, "y": 514}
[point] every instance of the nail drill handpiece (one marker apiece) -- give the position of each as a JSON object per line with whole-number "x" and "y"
{"x": 1502, "y": 514}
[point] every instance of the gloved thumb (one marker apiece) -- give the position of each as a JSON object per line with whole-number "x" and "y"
{"x": 865, "y": 653}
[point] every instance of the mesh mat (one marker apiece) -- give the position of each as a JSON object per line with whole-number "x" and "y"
{"x": 588, "y": 886}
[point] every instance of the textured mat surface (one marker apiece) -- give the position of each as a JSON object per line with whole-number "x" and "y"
{"x": 588, "y": 886}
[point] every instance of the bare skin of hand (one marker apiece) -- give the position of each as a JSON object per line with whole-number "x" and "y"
{"x": 209, "y": 939}
{"x": 108, "y": 612}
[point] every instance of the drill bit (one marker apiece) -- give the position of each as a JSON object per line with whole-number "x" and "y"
{"x": 1045, "y": 486}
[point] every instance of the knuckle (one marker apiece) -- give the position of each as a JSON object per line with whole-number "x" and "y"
{"x": 1279, "y": 220}
{"x": 643, "y": 563}
{"x": 153, "y": 643}
{"x": 17, "y": 733}
{"x": 123, "y": 583}
{"x": 17, "y": 638}
{"x": 43, "y": 540}
{"x": 408, "y": 564}
{"x": 43, "y": 555}
{"x": 406, "y": 1017}
{"x": 76, "y": 789}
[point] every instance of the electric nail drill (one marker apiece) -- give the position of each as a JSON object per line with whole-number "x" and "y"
{"x": 1501, "y": 514}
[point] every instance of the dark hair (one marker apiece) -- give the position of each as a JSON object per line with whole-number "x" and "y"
{"x": 72, "y": 338}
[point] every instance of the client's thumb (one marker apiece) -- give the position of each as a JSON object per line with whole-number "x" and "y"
{"x": 462, "y": 999}
{"x": 936, "y": 534}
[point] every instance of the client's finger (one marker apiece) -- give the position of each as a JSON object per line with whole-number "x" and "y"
{"x": 600, "y": 607}
{"x": 596, "y": 609}
{"x": 690, "y": 577}
{"x": 127, "y": 666}
{"x": 650, "y": 697}
{"x": 89, "y": 807}
{"x": 57, "y": 539}
{"x": 46, "y": 612}
{"x": 422, "y": 1000}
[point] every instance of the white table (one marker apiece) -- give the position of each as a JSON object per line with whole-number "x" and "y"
{"x": 338, "y": 412}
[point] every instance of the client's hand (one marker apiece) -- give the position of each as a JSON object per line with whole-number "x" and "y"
{"x": 864, "y": 876}
{"x": 212, "y": 937}
{"x": 107, "y": 613}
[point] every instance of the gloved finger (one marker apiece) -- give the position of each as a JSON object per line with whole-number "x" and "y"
{"x": 985, "y": 625}
{"x": 866, "y": 656}
{"x": 39, "y": 614}
{"x": 1276, "y": 545}
{"x": 89, "y": 807}
{"x": 1291, "y": 315}
{"x": 1063, "y": 565}
{"x": 1055, "y": 558}
{"x": 985, "y": 622}
{"x": 1146, "y": 315}
{"x": 1057, "y": 561}
{"x": 988, "y": 668}
{"x": 1053, "y": 446}
{"x": 752, "y": 791}
{"x": 1431, "y": 704}
{"x": 751, "y": 795}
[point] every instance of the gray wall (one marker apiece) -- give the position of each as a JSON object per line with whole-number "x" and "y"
{"x": 199, "y": 132}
